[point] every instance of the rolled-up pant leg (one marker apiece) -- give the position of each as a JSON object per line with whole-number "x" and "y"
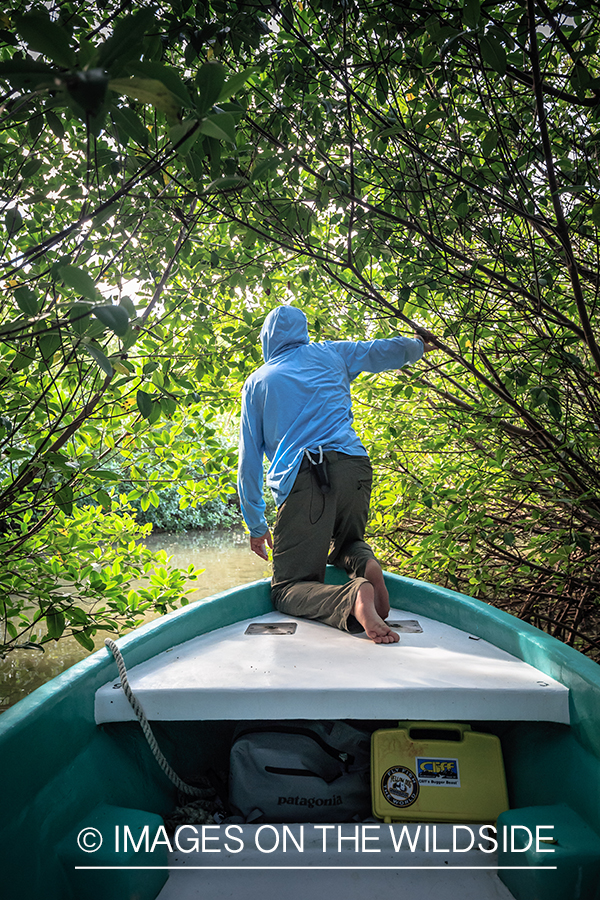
{"x": 313, "y": 528}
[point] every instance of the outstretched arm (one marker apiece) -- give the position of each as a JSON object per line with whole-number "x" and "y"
{"x": 381, "y": 354}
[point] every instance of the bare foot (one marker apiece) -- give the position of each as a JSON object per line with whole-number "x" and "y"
{"x": 365, "y": 612}
{"x": 374, "y": 575}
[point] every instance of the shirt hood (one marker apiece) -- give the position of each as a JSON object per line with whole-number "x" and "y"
{"x": 285, "y": 327}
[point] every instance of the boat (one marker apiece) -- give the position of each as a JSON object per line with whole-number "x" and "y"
{"x": 78, "y": 774}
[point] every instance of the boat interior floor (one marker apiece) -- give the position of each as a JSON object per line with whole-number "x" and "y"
{"x": 338, "y": 875}
{"x": 255, "y": 669}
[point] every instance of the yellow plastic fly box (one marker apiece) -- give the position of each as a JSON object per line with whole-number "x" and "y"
{"x": 437, "y": 772}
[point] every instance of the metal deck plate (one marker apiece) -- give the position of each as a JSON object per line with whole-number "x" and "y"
{"x": 406, "y": 626}
{"x": 271, "y": 628}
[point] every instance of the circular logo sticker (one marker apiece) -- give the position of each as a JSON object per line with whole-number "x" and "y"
{"x": 399, "y": 786}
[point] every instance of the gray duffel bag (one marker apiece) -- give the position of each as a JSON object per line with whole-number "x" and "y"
{"x": 300, "y": 771}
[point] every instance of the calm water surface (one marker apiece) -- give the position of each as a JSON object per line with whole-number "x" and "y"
{"x": 227, "y": 561}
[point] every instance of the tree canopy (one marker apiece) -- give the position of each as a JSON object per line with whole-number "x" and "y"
{"x": 171, "y": 172}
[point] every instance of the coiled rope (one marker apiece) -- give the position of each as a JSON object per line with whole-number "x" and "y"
{"x": 149, "y": 734}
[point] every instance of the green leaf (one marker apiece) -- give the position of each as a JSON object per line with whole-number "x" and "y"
{"x": 104, "y": 474}
{"x": 55, "y": 623}
{"x": 114, "y": 317}
{"x": 49, "y": 343}
{"x": 129, "y": 123}
{"x": 79, "y": 280}
{"x": 96, "y": 353}
{"x": 493, "y": 53}
{"x": 214, "y": 153}
{"x": 13, "y": 220}
{"x": 193, "y": 160}
{"x": 460, "y": 204}
{"x": 26, "y": 301}
{"x": 127, "y": 303}
{"x": 220, "y": 126}
{"x": 56, "y": 126}
{"x": 471, "y": 14}
{"x": 209, "y": 81}
{"x": 554, "y": 409}
{"x": 381, "y": 88}
{"x": 64, "y": 498}
{"x": 472, "y": 114}
{"x": 489, "y": 143}
{"x": 155, "y": 414}
{"x": 166, "y": 75}
{"x": 145, "y": 403}
{"x": 77, "y": 616}
{"x": 388, "y": 132}
{"x": 596, "y": 213}
{"x": 84, "y": 639}
{"x": 178, "y": 132}
{"x": 104, "y": 499}
{"x": 126, "y": 40}
{"x": 226, "y": 183}
{"x": 31, "y": 167}
{"x": 264, "y": 166}
{"x": 583, "y": 541}
{"x": 8, "y": 37}
{"x": 538, "y": 396}
{"x": 79, "y": 316}
{"x": 147, "y": 90}
{"x": 22, "y": 360}
{"x": 104, "y": 215}
{"x": 46, "y": 37}
{"x": 25, "y": 73}
{"x": 36, "y": 125}
{"x": 235, "y": 83}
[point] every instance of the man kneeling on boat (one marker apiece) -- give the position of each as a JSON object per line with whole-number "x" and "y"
{"x": 297, "y": 410}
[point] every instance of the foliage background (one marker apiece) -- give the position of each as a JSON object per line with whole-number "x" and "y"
{"x": 172, "y": 172}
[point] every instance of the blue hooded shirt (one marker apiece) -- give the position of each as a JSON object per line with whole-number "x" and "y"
{"x": 300, "y": 399}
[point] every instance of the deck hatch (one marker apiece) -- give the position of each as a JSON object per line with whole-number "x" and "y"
{"x": 271, "y": 628}
{"x": 406, "y": 626}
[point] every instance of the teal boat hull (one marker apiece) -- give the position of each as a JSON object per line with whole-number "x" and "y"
{"x": 60, "y": 767}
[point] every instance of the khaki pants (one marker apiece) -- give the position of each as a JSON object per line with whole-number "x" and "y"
{"x": 313, "y": 529}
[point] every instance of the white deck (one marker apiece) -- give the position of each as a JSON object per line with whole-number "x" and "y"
{"x": 321, "y": 673}
{"x": 345, "y": 875}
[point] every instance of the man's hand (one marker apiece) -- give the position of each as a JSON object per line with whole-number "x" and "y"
{"x": 257, "y": 544}
{"x": 425, "y": 337}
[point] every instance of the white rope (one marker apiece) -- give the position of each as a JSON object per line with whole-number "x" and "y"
{"x": 311, "y": 460}
{"x": 136, "y": 706}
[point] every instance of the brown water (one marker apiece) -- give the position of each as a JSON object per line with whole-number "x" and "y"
{"x": 227, "y": 561}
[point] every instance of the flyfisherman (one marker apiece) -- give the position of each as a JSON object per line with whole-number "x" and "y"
{"x": 297, "y": 410}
